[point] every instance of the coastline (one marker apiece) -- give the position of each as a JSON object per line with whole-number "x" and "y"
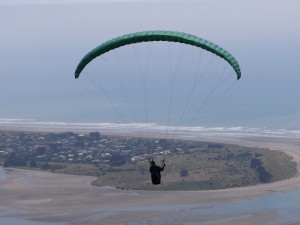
{"x": 43, "y": 196}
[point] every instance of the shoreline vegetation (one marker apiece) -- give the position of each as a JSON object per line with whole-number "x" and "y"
{"x": 122, "y": 161}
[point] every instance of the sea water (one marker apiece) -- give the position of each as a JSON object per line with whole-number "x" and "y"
{"x": 286, "y": 204}
{"x": 151, "y": 128}
{"x": 2, "y": 174}
{"x": 14, "y": 221}
{"x": 17, "y": 221}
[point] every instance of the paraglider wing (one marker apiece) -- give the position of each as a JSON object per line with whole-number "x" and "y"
{"x": 147, "y": 36}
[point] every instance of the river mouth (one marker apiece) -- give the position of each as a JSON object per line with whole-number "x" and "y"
{"x": 32, "y": 197}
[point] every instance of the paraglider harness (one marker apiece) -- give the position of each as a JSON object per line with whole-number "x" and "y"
{"x": 155, "y": 171}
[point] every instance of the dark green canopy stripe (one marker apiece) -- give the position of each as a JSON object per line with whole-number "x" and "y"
{"x": 146, "y": 36}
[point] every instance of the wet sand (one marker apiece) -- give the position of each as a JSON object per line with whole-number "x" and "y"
{"x": 70, "y": 199}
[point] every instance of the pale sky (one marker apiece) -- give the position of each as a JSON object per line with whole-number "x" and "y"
{"x": 48, "y": 2}
{"x": 41, "y": 44}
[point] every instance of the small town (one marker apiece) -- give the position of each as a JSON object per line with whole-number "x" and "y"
{"x": 28, "y": 148}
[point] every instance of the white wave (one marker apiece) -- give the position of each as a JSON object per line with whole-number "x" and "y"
{"x": 135, "y": 128}
{"x": 12, "y": 120}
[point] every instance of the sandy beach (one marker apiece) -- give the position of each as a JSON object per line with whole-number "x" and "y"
{"x": 69, "y": 199}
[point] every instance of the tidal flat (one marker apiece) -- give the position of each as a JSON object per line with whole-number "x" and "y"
{"x": 44, "y": 197}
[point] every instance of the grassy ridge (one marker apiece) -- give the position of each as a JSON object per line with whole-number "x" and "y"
{"x": 191, "y": 165}
{"x": 205, "y": 167}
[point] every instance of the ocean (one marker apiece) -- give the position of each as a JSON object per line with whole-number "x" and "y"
{"x": 274, "y": 208}
{"x": 150, "y": 128}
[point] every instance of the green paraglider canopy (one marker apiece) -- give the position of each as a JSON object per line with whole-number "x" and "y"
{"x": 147, "y": 36}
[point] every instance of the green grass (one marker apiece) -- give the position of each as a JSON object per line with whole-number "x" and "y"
{"x": 208, "y": 166}
{"x": 219, "y": 168}
{"x": 74, "y": 168}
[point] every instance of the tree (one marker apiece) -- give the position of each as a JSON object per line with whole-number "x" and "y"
{"x": 46, "y": 166}
{"x": 94, "y": 136}
{"x": 14, "y": 160}
{"x": 184, "y": 173}
{"x": 33, "y": 163}
{"x": 117, "y": 160}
